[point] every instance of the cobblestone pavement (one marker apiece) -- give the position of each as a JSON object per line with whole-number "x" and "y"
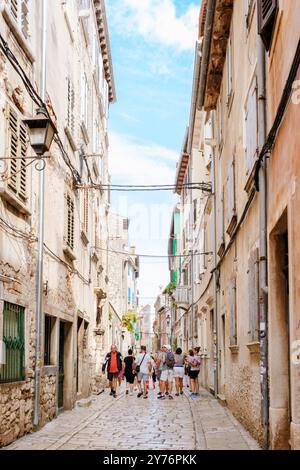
{"x": 133, "y": 423}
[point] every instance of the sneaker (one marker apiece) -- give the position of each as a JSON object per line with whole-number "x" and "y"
{"x": 167, "y": 393}
{"x": 170, "y": 397}
{"x": 126, "y": 392}
{"x": 159, "y": 393}
{"x": 176, "y": 394}
{"x": 139, "y": 394}
{"x": 111, "y": 392}
{"x": 145, "y": 396}
{"x": 181, "y": 393}
{"x": 161, "y": 397}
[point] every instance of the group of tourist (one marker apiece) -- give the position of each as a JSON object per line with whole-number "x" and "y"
{"x": 164, "y": 367}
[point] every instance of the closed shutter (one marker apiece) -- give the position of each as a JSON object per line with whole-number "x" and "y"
{"x": 23, "y": 150}
{"x": 251, "y": 127}
{"x": 14, "y": 7}
{"x": 231, "y": 210}
{"x": 266, "y": 19}
{"x": 233, "y": 316}
{"x": 13, "y": 149}
{"x": 220, "y": 216}
{"x": 253, "y": 289}
{"x": 86, "y": 211}
{"x": 17, "y": 145}
{"x": 71, "y": 107}
{"x": 70, "y": 221}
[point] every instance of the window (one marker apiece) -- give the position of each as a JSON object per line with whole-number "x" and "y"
{"x": 84, "y": 100}
{"x": 248, "y": 6}
{"x": 233, "y": 313}
{"x": 48, "y": 340}
{"x": 85, "y": 223}
{"x": 253, "y": 289}
{"x": 195, "y": 211}
{"x": 13, "y": 338}
{"x": 69, "y": 237}
{"x": 231, "y": 208}
{"x": 220, "y": 217}
{"x": 266, "y": 10}
{"x": 220, "y": 124}
{"x": 20, "y": 12}
{"x": 71, "y": 107}
{"x": 251, "y": 125}
{"x": 229, "y": 57}
{"x": 17, "y": 149}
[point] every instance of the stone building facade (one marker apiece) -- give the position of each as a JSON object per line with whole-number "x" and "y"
{"x": 79, "y": 90}
{"x": 242, "y": 301}
{"x": 123, "y": 284}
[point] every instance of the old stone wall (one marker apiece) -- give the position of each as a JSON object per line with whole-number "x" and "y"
{"x": 48, "y": 398}
{"x": 16, "y": 410}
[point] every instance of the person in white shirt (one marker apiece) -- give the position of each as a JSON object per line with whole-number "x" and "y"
{"x": 143, "y": 367}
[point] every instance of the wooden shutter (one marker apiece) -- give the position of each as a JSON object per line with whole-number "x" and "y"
{"x": 253, "y": 290}
{"x": 233, "y": 317}
{"x": 251, "y": 127}
{"x": 71, "y": 107}
{"x": 231, "y": 209}
{"x": 220, "y": 216}
{"x": 266, "y": 19}
{"x": 13, "y": 149}
{"x": 14, "y": 8}
{"x": 86, "y": 211}
{"x": 24, "y": 17}
{"x": 70, "y": 221}
{"x": 22, "y": 169}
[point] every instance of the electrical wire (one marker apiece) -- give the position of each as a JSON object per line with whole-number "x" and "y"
{"x": 71, "y": 270}
{"x": 151, "y": 256}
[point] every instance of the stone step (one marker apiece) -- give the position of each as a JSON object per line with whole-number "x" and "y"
{"x": 84, "y": 402}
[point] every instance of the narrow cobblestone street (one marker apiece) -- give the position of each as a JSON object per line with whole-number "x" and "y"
{"x": 134, "y": 424}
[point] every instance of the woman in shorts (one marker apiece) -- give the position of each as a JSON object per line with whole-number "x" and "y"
{"x": 179, "y": 371}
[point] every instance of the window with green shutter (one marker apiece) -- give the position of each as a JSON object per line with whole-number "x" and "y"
{"x": 14, "y": 340}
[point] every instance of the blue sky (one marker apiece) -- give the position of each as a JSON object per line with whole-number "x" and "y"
{"x": 152, "y": 44}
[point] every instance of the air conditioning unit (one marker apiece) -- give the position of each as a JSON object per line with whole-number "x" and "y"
{"x": 2, "y": 353}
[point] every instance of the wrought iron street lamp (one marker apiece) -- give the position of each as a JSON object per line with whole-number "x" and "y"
{"x": 41, "y": 131}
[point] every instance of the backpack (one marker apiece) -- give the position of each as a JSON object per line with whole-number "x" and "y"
{"x": 170, "y": 360}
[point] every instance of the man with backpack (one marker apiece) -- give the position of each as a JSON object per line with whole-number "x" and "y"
{"x": 167, "y": 373}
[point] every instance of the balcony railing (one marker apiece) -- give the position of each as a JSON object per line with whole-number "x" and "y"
{"x": 182, "y": 294}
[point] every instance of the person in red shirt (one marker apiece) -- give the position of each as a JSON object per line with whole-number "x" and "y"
{"x": 113, "y": 362}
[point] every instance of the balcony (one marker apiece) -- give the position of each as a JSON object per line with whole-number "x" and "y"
{"x": 182, "y": 295}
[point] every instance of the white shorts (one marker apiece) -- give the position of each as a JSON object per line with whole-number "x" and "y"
{"x": 167, "y": 375}
{"x": 178, "y": 372}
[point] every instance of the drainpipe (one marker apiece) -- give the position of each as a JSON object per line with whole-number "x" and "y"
{"x": 263, "y": 270}
{"x": 215, "y": 274}
{"x": 39, "y": 280}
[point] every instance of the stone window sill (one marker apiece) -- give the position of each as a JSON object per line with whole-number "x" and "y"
{"x": 70, "y": 138}
{"x": 14, "y": 201}
{"x": 254, "y": 347}
{"x": 69, "y": 253}
{"x": 84, "y": 238}
{"x": 234, "y": 349}
{"x": 21, "y": 40}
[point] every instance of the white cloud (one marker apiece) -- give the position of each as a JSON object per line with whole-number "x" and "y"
{"x": 133, "y": 163}
{"x": 157, "y": 21}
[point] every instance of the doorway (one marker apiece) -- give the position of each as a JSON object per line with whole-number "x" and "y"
{"x": 61, "y": 365}
{"x": 279, "y": 337}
